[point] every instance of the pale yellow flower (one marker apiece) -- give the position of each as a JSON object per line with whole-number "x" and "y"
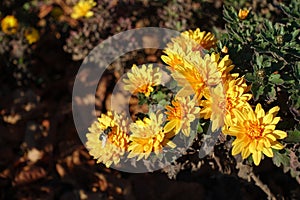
{"x": 190, "y": 44}
{"x": 206, "y": 40}
{"x": 224, "y": 66}
{"x": 83, "y": 9}
{"x": 148, "y": 136}
{"x": 197, "y": 75}
{"x": 181, "y": 114}
{"x": 243, "y": 13}
{"x": 255, "y": 133}
{"x": 108, "y": 138}
{"x": 9, "y": 25}
{"x": 222, "y": 99}
{"x": 32, "y": 35}
{"x": 142, "y": 80}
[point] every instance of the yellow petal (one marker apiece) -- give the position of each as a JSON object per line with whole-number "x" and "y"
{"x": 268, "y": 119}
{"x": 252, "y": 146}
{"x": 274, "y": 110}
{"x": 171, "y": 144}
{"x": 275, "y": 120}
{"x": 280, "y": 134}
{"x": 277, "y": 145}
{"x": 245, "y": 153}
{"x": 170, "y": 126}
{"x": 237, "y": 148}
{"x": 268, "y": 152}
{"x": 256, "y": 155}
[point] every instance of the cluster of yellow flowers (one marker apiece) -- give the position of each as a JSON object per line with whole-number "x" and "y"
{"x": 112, "y": 135}
{"x": 207, "y": 90}
{"x": 223, "y": 97}
{"x": 10, "y": 26}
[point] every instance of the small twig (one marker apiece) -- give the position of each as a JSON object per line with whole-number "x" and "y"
{"x": 217, "y": 159}
{"x": 262, "y": 186}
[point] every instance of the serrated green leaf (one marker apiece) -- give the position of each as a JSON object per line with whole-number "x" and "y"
{"x": 272, "y": 94}
{"x": 257, "y": 91}
{"x": 280, "y": 159}
{"x": 159, "y": 96}
{"x": 250, "y": 77}
{"x": 275, "y": 78}
{"x": 293, "y": 136}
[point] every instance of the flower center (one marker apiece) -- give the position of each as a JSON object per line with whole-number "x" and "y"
{"x": 177, "y": 110}
{"x": 175, "y": 62}
{"x": 254, "y": 130}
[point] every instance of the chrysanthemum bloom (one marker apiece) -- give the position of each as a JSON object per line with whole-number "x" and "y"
{"x": 83, "y": 9}
{"x": 183, "y": 47}
{"x": 181, "y": 114}
{"x": 32, "y": 35}
{"x": 142, "y": 80}
{"x": 9, "y": 25}
{"x": 222, "y": 99}
{"x": 178, "y": 50}
{"x": 243, "y": 13}
{"x": 148, "y": 136}
{"x": 205, "y": 39}
{"x": 107, "y": 139}
{"x": 255, "y": 133}
{"x": 201, "y": 73}
{"x": 224, "y": 66}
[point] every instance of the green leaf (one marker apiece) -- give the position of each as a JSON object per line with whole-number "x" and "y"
{"x": 159, "y": 96}
{"x": 250, "y": 77}
{"x": 272, "y": 94}
{"x": 275, "y": 78}
{"x": 280, "y": 159}
{"x": 293, "y": 136}
{"x": 257, "y": 91}
{"x": 199, "y": 128}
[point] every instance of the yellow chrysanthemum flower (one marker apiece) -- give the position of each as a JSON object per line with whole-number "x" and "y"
{"x": 205, "y": 39}
{"x": 107, "y": 139}
{"x": 9, "y": 25}
{"x": 32, "y": 35}
{"x": 180, "y": 115}
{"x": 243, "y": 13}
{"x": 83, "y": 9}
{"x": 142, "y": 80}
{"x": 222, "y": 99}
{"x": 148, "y": 136}
{"x": 197, "y": 75}
{"x": 224, "y": 66}
{"x": 190, "y": 44}
{"x": 255, "y": 133}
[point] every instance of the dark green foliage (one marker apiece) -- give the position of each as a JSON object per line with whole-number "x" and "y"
{"x": 267, "y": 51}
